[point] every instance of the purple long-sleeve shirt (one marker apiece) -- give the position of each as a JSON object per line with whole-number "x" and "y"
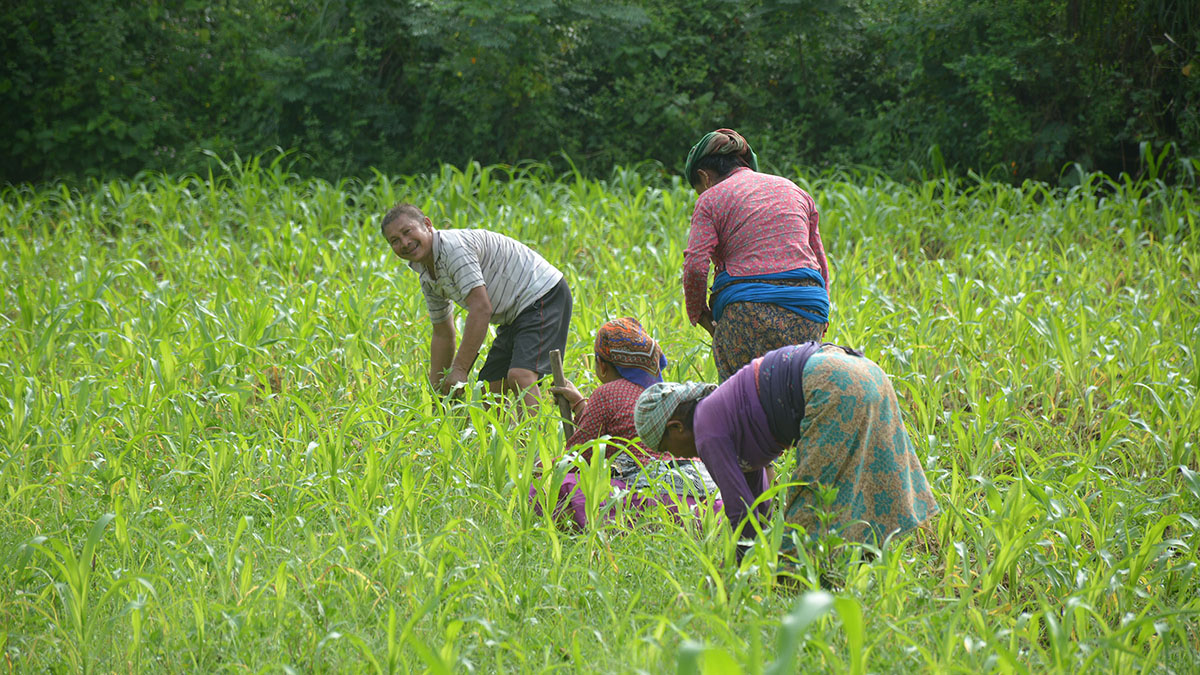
{"x": 735, "y": 443}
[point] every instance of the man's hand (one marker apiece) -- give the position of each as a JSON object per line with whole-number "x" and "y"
{"x": 454, "y": 377}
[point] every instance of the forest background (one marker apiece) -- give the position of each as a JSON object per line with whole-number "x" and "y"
{"x": 1011, "y": 89}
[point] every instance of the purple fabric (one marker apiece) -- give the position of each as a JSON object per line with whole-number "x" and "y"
{"x": 734, "y": 441}
{"x": 781, "y": 387}
{"x": 573, "y": 504}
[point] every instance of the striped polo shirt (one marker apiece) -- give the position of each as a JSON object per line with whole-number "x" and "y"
{"x": 514, "y": 274}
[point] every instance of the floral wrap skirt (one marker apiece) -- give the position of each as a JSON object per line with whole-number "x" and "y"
{"x": 747, "y": 330}
{"x": 856, "y": 471}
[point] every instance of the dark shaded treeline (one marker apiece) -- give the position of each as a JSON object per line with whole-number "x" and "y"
{"x": 1013, "y": 88}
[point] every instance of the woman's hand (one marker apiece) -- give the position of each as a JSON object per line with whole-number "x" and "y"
{"x": 706, "y": 321}
{"x": 569, "y": 392}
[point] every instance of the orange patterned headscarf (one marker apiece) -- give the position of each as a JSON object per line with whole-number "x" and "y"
{"x": 626, "y": 345}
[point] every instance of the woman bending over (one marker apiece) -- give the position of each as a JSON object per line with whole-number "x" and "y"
{"x": 832, "y": 407}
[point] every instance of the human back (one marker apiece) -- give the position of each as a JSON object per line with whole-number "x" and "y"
{"x": 761, "y": 236}
{"x": 762, "y": 223}
{"x": 833, "y": 409}
{"x": 514, "y": 274}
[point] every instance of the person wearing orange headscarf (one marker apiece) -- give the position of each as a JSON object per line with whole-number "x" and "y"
{"x": 628, "y": 361}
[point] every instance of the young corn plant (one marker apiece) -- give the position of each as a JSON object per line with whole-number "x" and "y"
{"x": 234, "y": 366}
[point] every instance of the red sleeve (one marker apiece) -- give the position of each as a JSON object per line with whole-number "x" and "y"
{"x": 590, "y": 424}
{"x": 814, "y": 239}
{"x": 702, "y": 242}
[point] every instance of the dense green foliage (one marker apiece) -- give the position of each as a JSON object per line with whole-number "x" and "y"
{"x": 219, "y": 453}
{"x": 1009, "y": 88}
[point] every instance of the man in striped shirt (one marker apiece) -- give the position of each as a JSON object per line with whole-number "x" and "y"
{"x": 497, "y": 280}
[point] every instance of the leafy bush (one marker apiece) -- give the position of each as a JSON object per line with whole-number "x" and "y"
{"x": 1013, "y": 88}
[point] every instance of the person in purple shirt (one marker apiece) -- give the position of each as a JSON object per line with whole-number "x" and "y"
{"x": 830, "y": 405}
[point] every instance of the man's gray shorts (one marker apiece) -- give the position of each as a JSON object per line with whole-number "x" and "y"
{"x": 526, "y": 342}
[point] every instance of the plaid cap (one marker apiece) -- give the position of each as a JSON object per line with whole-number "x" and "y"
{"x": 657, "y": 404}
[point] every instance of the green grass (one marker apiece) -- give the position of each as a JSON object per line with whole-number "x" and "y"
{"x": 218, "y": 453}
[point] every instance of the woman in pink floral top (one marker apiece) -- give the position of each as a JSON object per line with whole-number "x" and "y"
{"x": 761, "y": 235}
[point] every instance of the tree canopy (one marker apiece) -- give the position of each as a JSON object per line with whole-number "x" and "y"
{"x": 1015, "y": 88}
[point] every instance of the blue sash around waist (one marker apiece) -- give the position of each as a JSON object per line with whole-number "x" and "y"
{"x": 810, "y": 302}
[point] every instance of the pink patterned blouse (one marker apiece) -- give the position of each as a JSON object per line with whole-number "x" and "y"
{"x": 750, "y": 223}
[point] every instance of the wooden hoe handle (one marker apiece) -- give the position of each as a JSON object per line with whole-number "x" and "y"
{"x": 560, "y": 380}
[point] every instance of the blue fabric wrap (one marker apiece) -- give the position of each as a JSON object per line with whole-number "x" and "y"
{"x": 640, "y": 377}
{"x": 781, "y": 387}
{"x": 810, "y": 302}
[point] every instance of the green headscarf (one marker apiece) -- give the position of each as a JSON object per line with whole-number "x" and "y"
{"x": 720, "y": 142}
